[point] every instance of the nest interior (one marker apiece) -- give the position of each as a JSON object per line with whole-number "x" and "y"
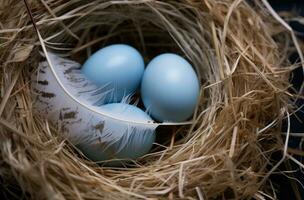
{"x": 235, "y": 47}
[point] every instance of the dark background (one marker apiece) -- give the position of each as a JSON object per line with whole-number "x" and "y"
{"x": 283, "y": 183}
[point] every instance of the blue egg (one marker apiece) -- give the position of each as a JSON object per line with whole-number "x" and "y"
{"x": 134, "y": 142}
{"x": 125, "y": 112}
{"x": 170, "y": 88}
{"x": 116, "y": 69}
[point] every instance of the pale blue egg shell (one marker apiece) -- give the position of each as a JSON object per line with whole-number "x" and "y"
{"x": 170, "y": 88}
{"x": 118, "y": 69}
{"x": 126, "y": 112}
{"x": 134, "y": 143}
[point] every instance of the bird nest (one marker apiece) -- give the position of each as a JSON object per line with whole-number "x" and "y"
{"x": 237, "y": 48}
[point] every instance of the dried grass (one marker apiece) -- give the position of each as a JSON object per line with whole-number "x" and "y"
{"x": 241, "y": 53}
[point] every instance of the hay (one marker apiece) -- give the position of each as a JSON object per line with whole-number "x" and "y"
{"x": 238, "y": 48}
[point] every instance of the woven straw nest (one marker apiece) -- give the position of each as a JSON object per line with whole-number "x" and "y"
{"x": 238, "y": 48}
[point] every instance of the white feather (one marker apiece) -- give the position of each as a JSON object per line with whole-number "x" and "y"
{"x": 76, "y": 113}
